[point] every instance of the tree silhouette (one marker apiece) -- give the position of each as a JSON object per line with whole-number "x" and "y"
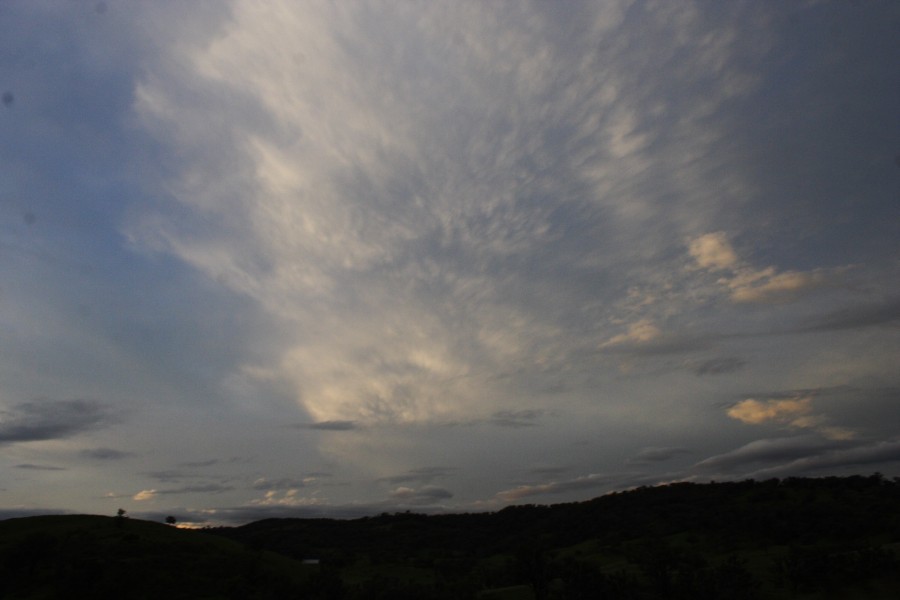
{"x": 171, "y": 520}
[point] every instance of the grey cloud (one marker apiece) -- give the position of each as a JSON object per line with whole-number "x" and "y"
{"x": 169, "y": 475}
{"x": 870, "y": 453}
{"x": 210, "y": 488}
{"x": 53, "y": 419}
{"x": 666, "y": 344}
{"x": 867, "y": 315}
{"x": 422, "y": 475}
{"x": 201, "y": 463}
{"x": 105, "y": 454}
{"x": 516, "y": 418}
{"x": 548, "y": 471}
{"x": 29, "y": 466}
{"x": 284, "y": 483}
{"x": 770, "y": 450}
{"x": 718, "y": 366}
{"x": 586, "y": 482}
{"x": 428, "y": 494}
{"x": 332, "y": 426}
{"x": 654, "y": 454}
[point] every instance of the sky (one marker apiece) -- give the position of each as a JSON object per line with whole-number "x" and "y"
{"x": 342, "y": 258}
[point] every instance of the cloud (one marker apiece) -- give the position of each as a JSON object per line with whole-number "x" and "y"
{"x": 517, "y": 418}
{"x": 638, "y": 332}
{"x": 201, "y": 463}
{"x": 586, "y": 482}
{"x": 438, "y": 208}
{"x": 144, "y": 495}
{"x": 548, "y": 471}
{"x": 29, "y": 466}
{"x": 283, "y": 483}
{"x": 332, "y": 426}
{"x": 211, "y": 488}
{"x": 288, "y": 498}
{"x": 41, "y": 420}
{"x": 428, "y": 494}
{"x": 864, "y": 315}
{"x": 838, "y": 459}
{"x": 421, "y": 475}
{"x": 783, "y": 411}
{"x": 718, "y": 366}
{"x": 105, "y": 454}
{"x": 767, "y": 285}
{"x": 799, "y": 456}
{"x": 713, "y": 251}
{"x": 794, "y": 412}
{"x": 653, "y": 454}
{"x": 770, "y": 450}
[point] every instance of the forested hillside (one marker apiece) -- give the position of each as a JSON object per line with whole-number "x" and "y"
{"x": 833, "y": 537}
{"x": 777, "y": 538}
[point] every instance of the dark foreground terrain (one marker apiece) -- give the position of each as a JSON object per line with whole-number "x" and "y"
{"x": 834, "y": 537}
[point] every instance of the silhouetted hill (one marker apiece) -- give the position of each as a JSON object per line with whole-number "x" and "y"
{"x": 778, "y": 538}
{"x": 81, "y": 556}
{"x": 833, "y": 537}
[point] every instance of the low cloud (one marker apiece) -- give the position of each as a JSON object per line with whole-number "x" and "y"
{"x": 283, "y": 483}
{"x": 211, "y": 488}
{"x": 798, "y": 456}
{"x": 144, "y": 495}
{"x": 52, "y": 419}
{"x": 422, "y": 475}
{"x": 768, "y": 451}
{"x": 586, "y": 482}
{"x": 654, "y": 454}
{"x": 841, "y": 458}
{"x": 428, "y": 494}
{"x": 291, "y": 498}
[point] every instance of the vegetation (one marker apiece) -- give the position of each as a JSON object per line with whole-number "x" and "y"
{"x": 794, "y": 538}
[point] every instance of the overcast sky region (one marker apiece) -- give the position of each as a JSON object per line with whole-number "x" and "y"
{"x": 339, "y": 258}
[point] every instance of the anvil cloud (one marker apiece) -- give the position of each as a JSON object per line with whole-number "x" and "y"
{"x": 337, "y": 258}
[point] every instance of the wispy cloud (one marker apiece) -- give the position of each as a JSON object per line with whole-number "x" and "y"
{"x": 718, "y": 366}
{"x": 53, "y": 419}
{"x": 517, "y": 418}
{"x": 105, "y": 454}
{"x": 654, "y": 454}
{"x": 428, "y": 494}
{"x": 332, "y": 426}
{"x": 33, "y": 467}
{"x": 421, "y": 475}
{"x": 583, "y": 483}
{"x": 713, "y": 251}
